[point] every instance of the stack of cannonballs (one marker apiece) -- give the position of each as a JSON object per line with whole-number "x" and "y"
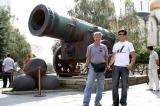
{"x": 29, "y": 81}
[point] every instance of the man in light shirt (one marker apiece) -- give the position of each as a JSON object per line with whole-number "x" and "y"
{"x": 7, "y": 68}
{"x": 153, "y": 67}
{"x": 121, "y": 60}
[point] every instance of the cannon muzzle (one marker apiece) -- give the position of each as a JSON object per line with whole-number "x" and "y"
{"x": 45, "y": 22}
{"x": 42, "y": 21}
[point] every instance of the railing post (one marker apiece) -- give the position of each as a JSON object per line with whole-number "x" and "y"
{"x": 39, "y": 84}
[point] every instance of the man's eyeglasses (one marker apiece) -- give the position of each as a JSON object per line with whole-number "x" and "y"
{"x": 121, "y": 34}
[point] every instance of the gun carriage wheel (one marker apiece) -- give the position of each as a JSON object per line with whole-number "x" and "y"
{"x": 64, "y": 68}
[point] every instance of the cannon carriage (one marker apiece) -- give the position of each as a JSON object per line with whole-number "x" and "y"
{"x": 75, "y": 36}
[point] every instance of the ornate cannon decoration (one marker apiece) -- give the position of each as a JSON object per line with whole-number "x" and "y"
{"x": 75, "y": 36}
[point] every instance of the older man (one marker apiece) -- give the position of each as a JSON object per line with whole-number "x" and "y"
{"x": 96, "y": 60}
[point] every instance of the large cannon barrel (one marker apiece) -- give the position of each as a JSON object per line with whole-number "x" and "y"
{"x": 75, "y": 36}
{"x": 45, "y": 22}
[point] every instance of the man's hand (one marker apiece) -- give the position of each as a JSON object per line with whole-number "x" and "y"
{"x": 129, "y": 67}
{"x": 108, "y": 67}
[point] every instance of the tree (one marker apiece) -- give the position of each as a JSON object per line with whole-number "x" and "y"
{"x": 1, "y": 45}
{"x": 11, "y": 39}
{"x": 4, "y": 24}
{"x": 98, "y": 12}
{"x": 131, "y": 21}
{"x": 18, "y": 46}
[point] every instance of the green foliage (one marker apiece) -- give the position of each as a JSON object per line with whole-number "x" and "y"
{"x": 98, "y": 12}
{"x": 142, "y": 56}
{"x": 10, "y": 39}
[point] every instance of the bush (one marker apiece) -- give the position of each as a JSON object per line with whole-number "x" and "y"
{"x": 142, "y": 56}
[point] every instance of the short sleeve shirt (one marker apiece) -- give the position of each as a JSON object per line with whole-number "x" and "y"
{"x": 98, "y": 53}
{"x": 8, "y": 64}
{"x": 152, "y": 60}
{"x": 122, "y": 51}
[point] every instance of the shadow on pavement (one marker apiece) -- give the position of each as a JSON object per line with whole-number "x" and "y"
{"x": 157, "y": 93}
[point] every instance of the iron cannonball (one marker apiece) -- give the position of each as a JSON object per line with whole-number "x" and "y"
{"x": 50, "y": 82}
{"x": 32, "y": 67}
{"x": 23, "y": 83}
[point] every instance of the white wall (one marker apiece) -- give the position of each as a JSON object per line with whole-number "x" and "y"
{"x": 152, "y": 32}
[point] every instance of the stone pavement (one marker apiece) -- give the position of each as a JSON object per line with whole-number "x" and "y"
{"x": 138, "y": 95}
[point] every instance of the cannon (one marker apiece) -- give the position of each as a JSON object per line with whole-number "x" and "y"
{"x": 75, "y": 35}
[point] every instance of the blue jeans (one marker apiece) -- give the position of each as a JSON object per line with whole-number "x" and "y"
{"x": 118, "y": 72}
{"x": 92, "y": 75}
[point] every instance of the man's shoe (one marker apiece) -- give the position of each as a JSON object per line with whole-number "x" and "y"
{"x": 150, "y": 89}
{"x": 114, "y": 105}
{"x": 97, "y": 104}
{"x": 85, "y": 105}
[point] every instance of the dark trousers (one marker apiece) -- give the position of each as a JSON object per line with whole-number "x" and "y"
{"x": 117, "y": 73}
{"x": 6, "y": 76}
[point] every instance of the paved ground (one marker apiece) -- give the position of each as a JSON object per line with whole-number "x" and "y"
{"x": 138, "y": 95}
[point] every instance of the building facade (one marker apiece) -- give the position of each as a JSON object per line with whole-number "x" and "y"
{"x": 154, "y": 23}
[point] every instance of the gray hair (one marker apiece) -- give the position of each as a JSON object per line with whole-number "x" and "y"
{"x": 99, "y": 33}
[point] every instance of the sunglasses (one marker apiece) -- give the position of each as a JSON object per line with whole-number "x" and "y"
{"x": 121, "y": 34}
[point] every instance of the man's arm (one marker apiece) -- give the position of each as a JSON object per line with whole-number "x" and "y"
{"x": 2, "y": 68}
{"x": 112, "y": 60}
{"x": 106, "y": 55}
{"x": 3, "y": 65}
{"x": 87, "y": 62}
{"x": 107, "y": 62}
{"x": 157, "y": 61}
{"x": 133, "y": 59}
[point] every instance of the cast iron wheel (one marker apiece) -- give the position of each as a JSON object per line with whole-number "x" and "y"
{"x": 63, "y": 68}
